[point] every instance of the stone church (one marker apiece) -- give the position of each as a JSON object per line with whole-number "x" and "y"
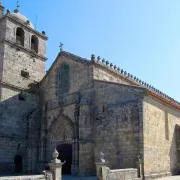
{"x": 80, "y": 107}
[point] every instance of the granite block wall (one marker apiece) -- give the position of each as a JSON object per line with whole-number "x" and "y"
{"x": 105, "y": 73}
{"x": 10, "y": 35}
{"x": 122, "y": 174}
{"x": 1, "y": 59}
{"x": 68, "y": 121}
{"x": 16, "y": 61}
{"x": 80, "y": 77}
{"x": 10, "y": 146}
{"x": 3, "y": 28}
{"x": 19, "y": 120}
{"x": 118, "y": 123}
{"x": 69, "y": 106}
{"x": 14, "y": 130}
{"x": 160, "y": 138}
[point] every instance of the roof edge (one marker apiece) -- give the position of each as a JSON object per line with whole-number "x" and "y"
{"x": 120, "y": 84}
{"x": 67, "y": 55}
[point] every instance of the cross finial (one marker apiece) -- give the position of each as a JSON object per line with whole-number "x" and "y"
{"x": 17, "y": 4}
{"x": 1, "y": 2}
{"x": 61, "y": 46}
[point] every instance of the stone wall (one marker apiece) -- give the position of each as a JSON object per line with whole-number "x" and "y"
{"x": 16, "y": 61}
{"x": 80, "y": 77}
{"x": 10, "y": 146}
{"x": 122, "y": 174}
{"x": 74, "y": 106}
{"x": 160, "y": 143}
{"x": 19, "y": 114}
{"x": 2, "y": 29}
{"x": 105, "y": 73}
{"x": 14, "y": 132}
{"x": 118, "y": 123}
{"x": 86, "y": 121}
{"x": 10, "y": 35}
{"x": 1, "y": 59}
{"x": 74, "y": 109}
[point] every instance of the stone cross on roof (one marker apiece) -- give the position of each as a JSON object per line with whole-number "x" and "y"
{"x": 61, "y": 46}
{"x": 1, "y": 2}
{"x": 17, "y": 7}
{"x": 17, "y": 4}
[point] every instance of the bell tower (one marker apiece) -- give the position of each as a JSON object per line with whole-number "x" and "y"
{"x": 24, "y": 51}
{"x": 22, "y": 67}
{"x": 1, "y": 10}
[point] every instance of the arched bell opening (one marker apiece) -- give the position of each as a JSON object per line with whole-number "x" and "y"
{"x": 20, "y": 36}
{"x": 34, "y": 44}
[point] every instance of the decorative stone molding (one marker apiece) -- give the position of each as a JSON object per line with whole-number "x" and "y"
{"x": 136, "y": 81}
{"x": 25, "y": 49}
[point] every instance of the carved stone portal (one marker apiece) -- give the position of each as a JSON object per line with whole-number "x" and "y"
{"x": 64, "y": 132}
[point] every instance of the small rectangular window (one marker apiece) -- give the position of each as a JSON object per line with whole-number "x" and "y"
{"x": 24, "y": 74}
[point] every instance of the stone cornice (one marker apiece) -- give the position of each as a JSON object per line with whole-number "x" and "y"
{"x": 120, "y": 84}
{"x": 25, "y": 49}
{"x": 69, "y": 56}
{"x": 123, "y": 75}
{"x": 127, "y": 78}
{"x": 29, "y": 28}
{"x": 17, "y": 88}
{"x": 116, "y": 73}
{"x": 164, "y": 100}
{"x": 13, "y": 137}
{"x": 136, "y": 82}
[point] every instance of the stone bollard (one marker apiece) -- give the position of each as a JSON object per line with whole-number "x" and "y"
{"x": 56, "y": 166}
{"x": 101, "y": 167}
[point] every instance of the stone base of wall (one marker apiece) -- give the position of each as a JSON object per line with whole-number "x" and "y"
{"x": 125, "y": 174}
{"x": 158, "y": 175}
{"x": 35, "y": 177}
{"x": 6, "y": 167}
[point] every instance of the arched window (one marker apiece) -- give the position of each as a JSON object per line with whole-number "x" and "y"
{"x": 63, "y": 79}
{"x": 34, "y": 43}
{"x": 20, "y": 36}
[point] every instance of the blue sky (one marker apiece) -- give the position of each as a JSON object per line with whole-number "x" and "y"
{"x": 140, "y": 36}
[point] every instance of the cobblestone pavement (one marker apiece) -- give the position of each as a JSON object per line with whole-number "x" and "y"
{"x": 78, "y": 178}
{"x": 170, "y": 178}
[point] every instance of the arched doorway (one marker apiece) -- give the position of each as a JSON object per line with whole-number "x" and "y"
{"x": 18, "y": 163}
{"x": 65, "y": 154}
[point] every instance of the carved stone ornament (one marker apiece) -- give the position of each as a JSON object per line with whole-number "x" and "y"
{"x": 55, "y": 154}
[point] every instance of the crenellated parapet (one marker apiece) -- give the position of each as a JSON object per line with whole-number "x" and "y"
{"x": 135, "y": 80}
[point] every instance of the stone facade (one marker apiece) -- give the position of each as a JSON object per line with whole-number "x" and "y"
{"x": 101, "y": 109}
{"x": 19, "y": 107}
{"x": 118, "y": 129}
{"x": 161, "y": 123}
